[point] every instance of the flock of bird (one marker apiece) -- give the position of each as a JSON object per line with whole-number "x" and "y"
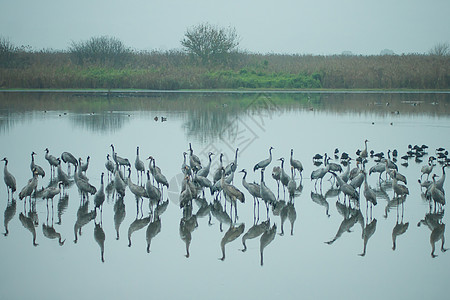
{"x": 199, "y": 180}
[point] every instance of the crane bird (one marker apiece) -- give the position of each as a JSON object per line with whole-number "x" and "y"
{"x": 253, "y": 188}
{"x": 204, "y": 172}
{"x": 31, "y": 186}
{"x": 83, "y": 185}
{"x": 437, "y": 195}
{"x": 139, "y": 164}
{"x": 218, "y": 173}
{"x": 319, "y": 174}
{"x": 232, "y": 166}
{"x": 85, "y": 166}
{"x": 121, "y": 161}
{"x": 194, "y": 161}
{"x": 52, "y": 160}
{"x": 264, "y": 163}
{"x": 38, "y": 168}
{"x": 69, "y": 159}
{"x": 156, "y": 172}
{"x": 368, "y": 192}
{"x": 296, "y": 164}
{"x": 276, "y": 174}
{"x": 99, "y": 197}
{"x": 399, "y": 189}
{"x": 51, "y": 191}
{"x": 426, "y": 169}
{"x": 363, "y": 154}
{"x": 109, "y": 165}
{"x": 346, "y": 188}
{"x": 266, "y": 194}
{"x": 232, "y": 193}
{"x": 284, "y": 177}
{"x": 9, "y": 178}
{"x": 153, "y": 193}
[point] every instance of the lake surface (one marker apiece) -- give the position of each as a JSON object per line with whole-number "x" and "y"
{"x": 162, "y": 124}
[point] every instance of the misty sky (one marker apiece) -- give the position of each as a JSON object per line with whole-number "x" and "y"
{"x": 281, "y": 26}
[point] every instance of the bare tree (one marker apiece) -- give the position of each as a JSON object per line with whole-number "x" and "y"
{"x": 7, "y": 51}
{"x": 210, "y": 43}
{"x": 103, "y": 50}
{"x": 440, "y": 49}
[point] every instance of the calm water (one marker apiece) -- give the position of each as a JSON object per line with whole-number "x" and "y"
{"x": 297, "y": 265}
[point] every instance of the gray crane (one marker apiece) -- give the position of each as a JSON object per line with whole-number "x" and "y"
{"x": 218, "y": 173}
{"x": 84, "y": 166}
{"x": 99, "y": 197}
{"x": 284, "y": 177}
{"x": 399, "y": 189}
{"x": 153, "y": 193}
{"x": 266, "y": 194}
{"x": 51, "y": 191}
{"x": 194, "y": 161}
{"x": 232, "y": 166}
{"x": 319, "y": 174}
{"x": 52, "y": 160}
{"x": 253, "y": 188}
{"x": 121, "y": 161}
{"x": 31, "y": 186}
{"x": 296, "y": 164}
{"x": 69, "y": 159}
{"x": 38, "y": 168}
{"x": 368, "y": 192}
{"x": 204, "y": 171}
{"x": 437, "y": 195}
{"x": 231, "y": 193}
{"x": 363, "y": 154}
{"x": 62, "y": 176}
{"x": 84, "y": 186}
{"x": 9, "y": 178}
{"x": 110, "y": 166}
{"x": 264, "y": 163}
{"x": 139, "y": 165}
{"x": 346, "y": 188}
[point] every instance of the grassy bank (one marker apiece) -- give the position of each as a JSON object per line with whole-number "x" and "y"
{"x": 175, "y": 70}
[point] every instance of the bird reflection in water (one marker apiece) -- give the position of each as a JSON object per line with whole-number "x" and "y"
{"x": 136, "y": 225}
{"x": 232, "y": 233}
{"x": 27, "y": 222}
{"x": 292, "y": 215}
{"x": 351, "y": 217}
{"x": 188, "y": 223}
{"x": 10, "y": 211}
{"x": 99, "y": 236}
{"x": 368, "y": 231}
{"x": 49, "y": 231}
{"x": 434, "y": 222}
{"x": 267, "y": 237}
{"x": 254, "y": 231}
{"x": 320, "y": 199}
{"x": 83, "y": 217}
{"x": 152, "y": 230}
{"x": 399, "y": 229}
{"x": 119, "y": 214}
{"x": 63, "y": 202}
{"x": 220, "y": 214}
